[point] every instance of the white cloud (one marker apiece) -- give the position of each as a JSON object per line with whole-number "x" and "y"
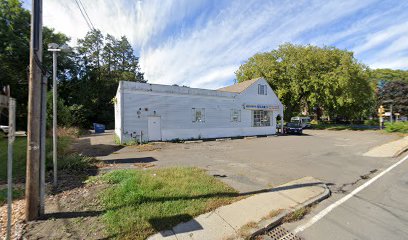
{"x": 375, "y": 39}
{"x": 393, "y": 63}
{"x": 201, "y": 43}
{"x": 243, "y": 29}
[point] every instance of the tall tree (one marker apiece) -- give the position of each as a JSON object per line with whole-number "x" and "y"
{"x": 395, "y": 93}
{"x": 14, "y": 53}
{"x": 384, "y": 74}
{"x": 102, "y": 62}
{"x": 312, "y": 79}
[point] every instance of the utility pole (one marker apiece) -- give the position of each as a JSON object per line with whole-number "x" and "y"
{"x": 32, "y": 194}
{"x": 42, "y": 141}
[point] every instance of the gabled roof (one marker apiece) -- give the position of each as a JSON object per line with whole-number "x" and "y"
{"x": 239, "y": 87}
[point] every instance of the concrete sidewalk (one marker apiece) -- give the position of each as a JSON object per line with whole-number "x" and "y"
{"x": 229, "y": 222}
{"x": 391, "y": 149}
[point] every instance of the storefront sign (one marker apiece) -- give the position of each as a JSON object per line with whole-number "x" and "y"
{"x": 261, "y": 107}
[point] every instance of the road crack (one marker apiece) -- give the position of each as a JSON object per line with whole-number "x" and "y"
{"x": 342, "y": 189}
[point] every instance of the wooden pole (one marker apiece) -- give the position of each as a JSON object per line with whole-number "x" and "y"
{"x": 32, "y": 194}
{"x": 42, "y": 142}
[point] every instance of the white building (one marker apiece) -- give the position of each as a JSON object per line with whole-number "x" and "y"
{"x": 153, "y": 112}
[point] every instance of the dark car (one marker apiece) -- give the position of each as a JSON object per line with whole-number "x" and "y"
{"x": 293, "y": 128}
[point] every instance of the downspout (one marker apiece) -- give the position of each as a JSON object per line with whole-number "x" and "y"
{"x": 121, "y": 112}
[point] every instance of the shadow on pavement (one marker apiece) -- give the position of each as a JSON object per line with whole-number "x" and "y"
{"x": 167, "y": 222}
{"x": 129, "y": 160}
{"x": 84, "y": 146}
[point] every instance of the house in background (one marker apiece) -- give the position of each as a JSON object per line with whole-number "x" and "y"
{"x": 154, "y": 112}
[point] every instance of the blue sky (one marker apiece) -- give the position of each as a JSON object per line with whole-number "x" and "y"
{"x": 200, "y": 43}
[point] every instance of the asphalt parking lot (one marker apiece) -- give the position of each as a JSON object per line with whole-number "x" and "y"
{"x": 335, "y": 157}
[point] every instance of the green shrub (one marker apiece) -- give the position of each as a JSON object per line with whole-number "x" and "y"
{"x": 116, "y": 139}
{"x": 401, "y": 127}
{"x": 75, "y": 162}
{"x": 17, "y": 194}
{"x": 371, "y": 122}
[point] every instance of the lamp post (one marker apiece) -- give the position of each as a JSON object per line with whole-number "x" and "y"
{"x": 55, "y": 48}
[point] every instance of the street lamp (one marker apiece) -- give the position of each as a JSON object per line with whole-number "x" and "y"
{"x": 55, "y": 48}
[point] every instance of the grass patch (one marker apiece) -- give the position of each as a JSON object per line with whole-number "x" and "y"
{"x": 340, "y": 127}
{"x": 17, "y": 193}
{"x": 297, "y": 214}
{"x": 400, "y": 127}
{"x": 76, "y": 162}
{"x": 19, "y": 155}
{"x": 19, "y": 158}
{"x": 142, "y": 202}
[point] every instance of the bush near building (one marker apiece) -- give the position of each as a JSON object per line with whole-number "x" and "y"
{"x": 401, "y": 127}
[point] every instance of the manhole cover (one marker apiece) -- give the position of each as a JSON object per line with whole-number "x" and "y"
{"x": 280, "y": 233}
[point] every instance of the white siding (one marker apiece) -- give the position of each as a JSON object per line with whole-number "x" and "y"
{"x": 174, "y": 105}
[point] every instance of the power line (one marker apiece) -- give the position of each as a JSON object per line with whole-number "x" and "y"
{"x": 83, "y": 7}
{"x": 84, "y": 14}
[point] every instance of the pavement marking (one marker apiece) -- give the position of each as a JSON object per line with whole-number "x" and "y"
{"x": 327, "y": 210}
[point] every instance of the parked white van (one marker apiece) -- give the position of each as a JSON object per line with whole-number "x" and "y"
{"x": 303, "y": 121}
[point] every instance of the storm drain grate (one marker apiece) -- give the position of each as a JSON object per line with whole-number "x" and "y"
{"x": 280, "y": 233}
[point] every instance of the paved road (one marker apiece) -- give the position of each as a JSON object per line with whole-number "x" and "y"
{"x": 335, "y": 157}
{"x": 380, "y": 211}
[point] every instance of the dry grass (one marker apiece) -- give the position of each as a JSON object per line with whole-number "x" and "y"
{"x": 297, "y": 214}
{"x": 72, "y": 132}
{"x": 272, "y": 214}
{"x": 147, "y": 147}
{"x": 245, "y": 230}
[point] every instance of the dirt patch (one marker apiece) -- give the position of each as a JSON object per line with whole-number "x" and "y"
{"x": 17, "y": 222}
{"x": 148, "y": 147}
{"x": 72, "y": 214}
{"x": 72, "y": 211}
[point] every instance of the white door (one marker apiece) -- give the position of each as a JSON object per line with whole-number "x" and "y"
{"x": 154, "y": 128}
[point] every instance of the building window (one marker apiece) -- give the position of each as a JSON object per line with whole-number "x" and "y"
{"x": 261, "y": 118}
{"x": 262, "y": 89}
{"x": 235, "y": 115}
{"x": 198, "y": 115}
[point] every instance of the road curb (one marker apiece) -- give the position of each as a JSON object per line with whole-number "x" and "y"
{"x": 401, "y": 151}
{"x": 275, "y": 221}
